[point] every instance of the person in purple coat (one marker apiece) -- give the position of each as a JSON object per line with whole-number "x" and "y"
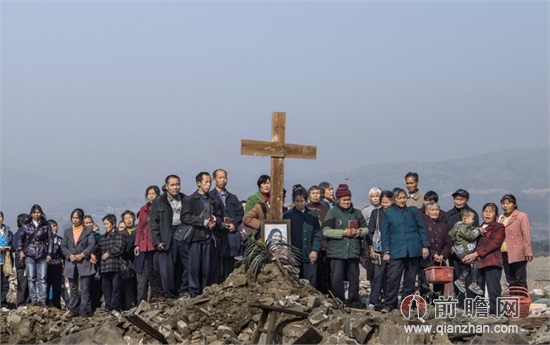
{"x": 440, "y": 248}
{"x": 35, "y": 246}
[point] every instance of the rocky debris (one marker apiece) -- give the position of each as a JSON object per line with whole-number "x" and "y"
{"x": 223, "y": 315}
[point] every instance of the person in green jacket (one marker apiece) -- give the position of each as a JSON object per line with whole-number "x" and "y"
{"x": 344, "y": 227}
{"x": 264, "y": 188}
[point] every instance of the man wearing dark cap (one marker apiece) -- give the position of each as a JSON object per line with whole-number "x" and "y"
{"x": 461, "y": 198}
{"x": 345, "y": 227}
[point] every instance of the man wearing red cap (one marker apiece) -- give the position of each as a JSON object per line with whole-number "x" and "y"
{"x": 344, "y": 227}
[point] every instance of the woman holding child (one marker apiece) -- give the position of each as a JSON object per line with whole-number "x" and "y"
{"x": 488, "y": 255}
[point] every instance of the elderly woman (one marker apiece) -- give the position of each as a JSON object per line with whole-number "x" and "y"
{"x": 488, "y": 255}
{"x": 440, "y": 248}
{"x": 404, "y": 243}
{"x": 78, "y": 243}
{"x": 344, "y": 227}
{"x": 35, "y": 245}
{"x": 516, "y": 250}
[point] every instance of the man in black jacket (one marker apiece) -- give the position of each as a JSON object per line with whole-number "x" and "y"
{"x": 228, "y": 244}
{"x": 460, "y": 198}
{"x": 204, "y": 214}
{"x": 164, "y": 219}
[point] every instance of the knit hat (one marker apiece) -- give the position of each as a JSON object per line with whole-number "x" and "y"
{"x": 343, "y": 190}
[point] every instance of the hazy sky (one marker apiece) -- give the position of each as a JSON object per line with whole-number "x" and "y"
{"x": 94, "y": 94}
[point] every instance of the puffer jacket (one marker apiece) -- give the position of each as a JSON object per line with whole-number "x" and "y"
{"x": 464, "y": 237}
{"x": 42, "y": 243}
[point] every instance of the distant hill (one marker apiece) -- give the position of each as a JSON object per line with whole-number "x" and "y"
{"x": 522, "y": 172}
{"x": 488, "y": 176}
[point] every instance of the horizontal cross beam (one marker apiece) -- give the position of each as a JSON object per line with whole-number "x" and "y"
{"x": 271, "y": 149}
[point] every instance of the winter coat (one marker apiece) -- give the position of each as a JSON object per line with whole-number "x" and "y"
{"x": 42, "y": 243}
{"x": 375, "y": 221}
{"x": 191, "y": 208}
{"x": 19, "y": 264}
{"x": 160, "y": 220}
{"x": 403, "y": 232}
{"x": 416, "y": 199}
{"x": 453, "y": 216}
{"x": 518, "y": 236}
{"x": 85, "y": 245}
{"x": 464, "y": 237}
{"x": 320, "y": 209}
{"x": 113, "y": 243}
{"x": 230, "y": 244}
{"x": 488, "y": 246}
{"x": 253, "y": 200}
{"x": 306, "y": 233}
{"x": 256, "y": 215}
{"x": 143, "y": 232}
{"x": 438, "y": 235}
{"x": 338, "y": 245}
{"x": 6, "y": 241}
{"x": 57, "y": 257}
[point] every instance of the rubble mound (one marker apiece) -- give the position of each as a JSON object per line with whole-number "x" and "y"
{"x": 228, "y": 305}
{"x": 231, "y": 312}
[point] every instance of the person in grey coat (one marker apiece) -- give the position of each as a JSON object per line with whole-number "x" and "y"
{"x": 77, "y": 246}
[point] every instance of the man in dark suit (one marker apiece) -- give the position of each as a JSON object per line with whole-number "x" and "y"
{"x": 164, "y": 219}
{"x": 228, "y": 243}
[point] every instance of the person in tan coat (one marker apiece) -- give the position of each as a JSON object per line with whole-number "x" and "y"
{"x": 516, "y": 250}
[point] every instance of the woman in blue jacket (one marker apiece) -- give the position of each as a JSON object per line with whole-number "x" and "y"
{"x": 404, "y": 242}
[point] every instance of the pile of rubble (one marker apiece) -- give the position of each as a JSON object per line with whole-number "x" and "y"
{"x": 286, "y": 310}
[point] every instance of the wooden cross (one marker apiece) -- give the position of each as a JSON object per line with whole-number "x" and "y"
{"x": 278, "y": 150}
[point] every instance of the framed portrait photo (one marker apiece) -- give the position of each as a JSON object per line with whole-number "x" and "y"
{"x": 276, "y": 230}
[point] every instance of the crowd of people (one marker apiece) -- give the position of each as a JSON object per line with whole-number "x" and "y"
{"x": 179, "y": 244}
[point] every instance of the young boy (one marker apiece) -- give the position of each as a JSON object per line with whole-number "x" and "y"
{"x": 464, "y": 236}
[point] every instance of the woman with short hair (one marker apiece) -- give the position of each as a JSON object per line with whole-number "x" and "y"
{"x": 78, "y": 243}
{"x": 488, "y": 255}
{"x": 440, "y": 249}
{"x": 516, "y": 250}
{"x": 112, "y": 247}
{"x": 262, "y": 195}
{"x": 55, "y": 268}
{"x": 404, "y": 243}
{"x": 375, "y": 249}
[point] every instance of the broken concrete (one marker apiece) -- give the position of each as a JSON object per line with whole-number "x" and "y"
{"x": 223, "y": 315}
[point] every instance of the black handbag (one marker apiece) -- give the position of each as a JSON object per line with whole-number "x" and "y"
{"x": 184, "y": 233}
{"x": 126, "y": 269}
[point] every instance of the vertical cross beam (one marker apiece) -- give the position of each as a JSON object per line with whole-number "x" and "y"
{"x": 278, "y": 126}
{"x": 277, "y": 149}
